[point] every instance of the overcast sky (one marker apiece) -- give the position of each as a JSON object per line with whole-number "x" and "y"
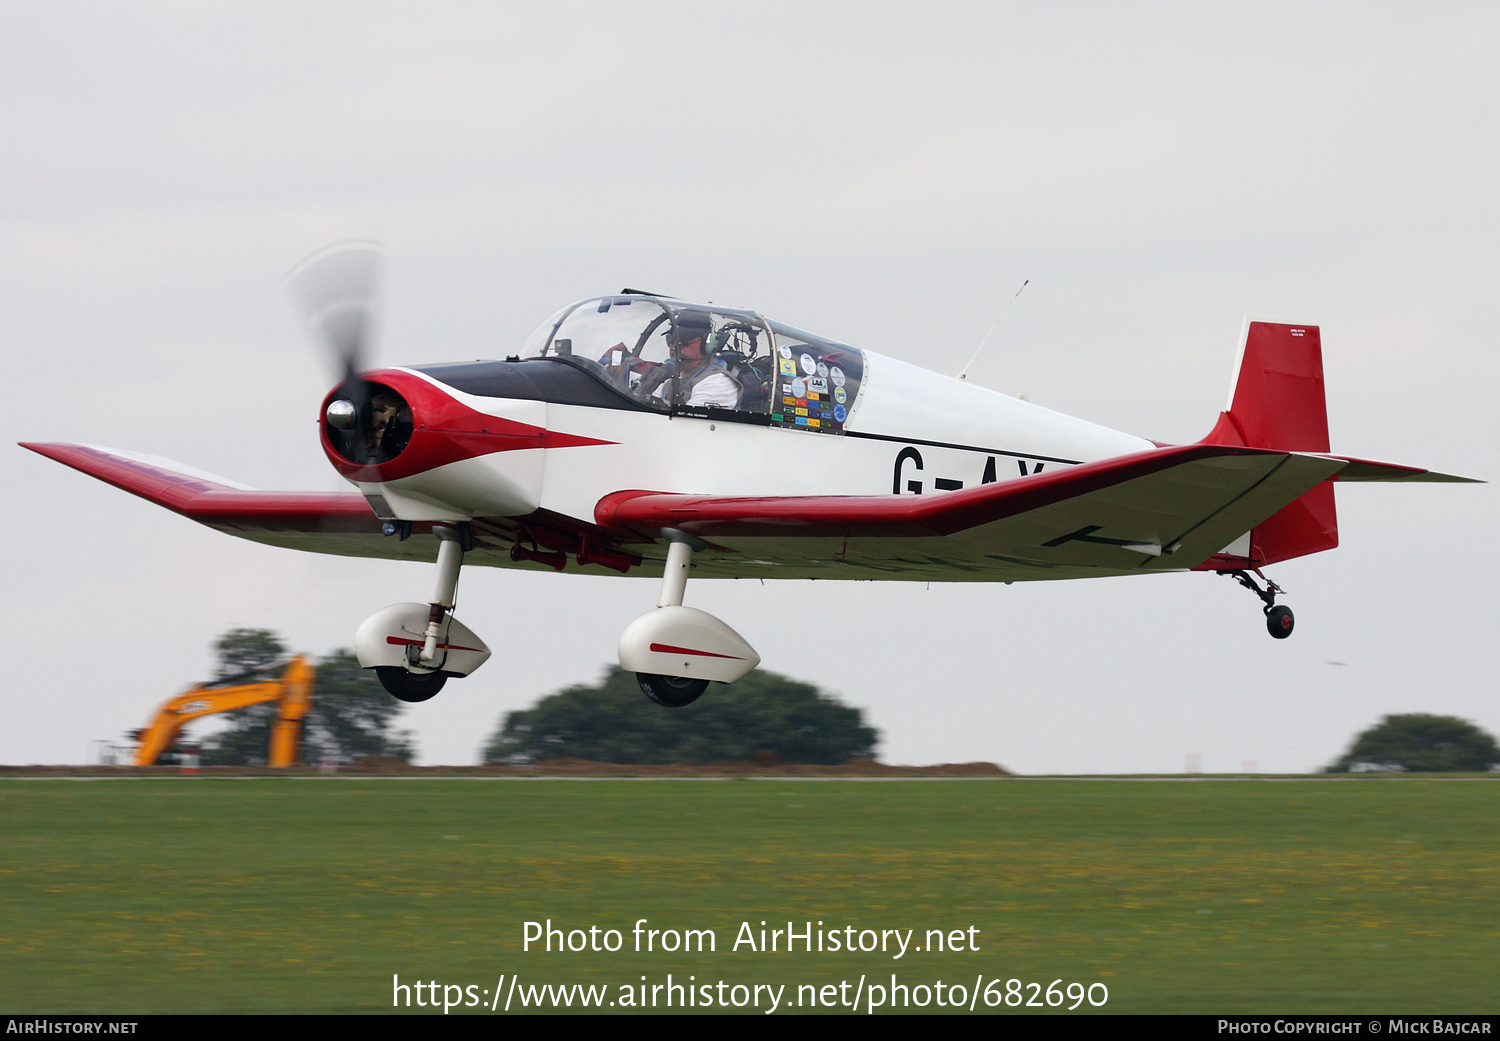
{"x": 883, "y": 174}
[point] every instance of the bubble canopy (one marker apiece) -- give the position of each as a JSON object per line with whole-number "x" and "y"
{"x": 704, "y": 359}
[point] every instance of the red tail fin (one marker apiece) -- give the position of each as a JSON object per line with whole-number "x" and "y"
{"x": 1278, "y": 403}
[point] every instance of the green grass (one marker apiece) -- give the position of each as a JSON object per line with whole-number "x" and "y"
{"x": 193, "y": 894}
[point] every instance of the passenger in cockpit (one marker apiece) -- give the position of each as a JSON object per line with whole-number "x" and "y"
{"x": 700, "y": 379}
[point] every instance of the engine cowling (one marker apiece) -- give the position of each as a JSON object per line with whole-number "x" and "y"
{"x": 419, "y": 452}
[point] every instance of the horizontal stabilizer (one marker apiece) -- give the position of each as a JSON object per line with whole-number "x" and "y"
{"x": 1369, "y": 470}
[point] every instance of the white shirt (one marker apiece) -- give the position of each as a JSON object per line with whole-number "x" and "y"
{"x": 716, "y": 388}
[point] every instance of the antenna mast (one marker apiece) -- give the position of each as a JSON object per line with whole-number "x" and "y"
{"x": 965, "y": 373}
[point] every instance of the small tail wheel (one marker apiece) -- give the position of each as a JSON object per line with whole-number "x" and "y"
{"x": 1279, "y": 621}
{"x": 410, "y": 687}
{"x": 671, "y": 691}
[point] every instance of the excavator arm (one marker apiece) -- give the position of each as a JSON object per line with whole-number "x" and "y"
{"x": 292, "y": 691}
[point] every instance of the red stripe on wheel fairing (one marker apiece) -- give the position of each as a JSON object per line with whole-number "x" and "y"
{"x": 398, "y": 640}
{"x": 667, "y": 648}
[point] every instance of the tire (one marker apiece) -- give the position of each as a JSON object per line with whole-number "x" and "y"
{"x": 410, "y": 687}
{"x": 1279, "y": 622}
{"x": 671, "y": 691}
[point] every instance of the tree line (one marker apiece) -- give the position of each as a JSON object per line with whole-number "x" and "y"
{"x": 351, "y": 716}
{"x": 764, "y": 714}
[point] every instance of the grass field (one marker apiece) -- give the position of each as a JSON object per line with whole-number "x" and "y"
{"x": 308, "y": 894}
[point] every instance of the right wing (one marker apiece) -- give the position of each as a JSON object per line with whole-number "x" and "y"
{"x": 1164, "y": 509}
{"x": 317, "y": 522}
{"x": 339, "y": 523}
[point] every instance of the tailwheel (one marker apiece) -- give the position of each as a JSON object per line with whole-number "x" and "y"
{"x": 410, "y": 687}
{"x": 1279, "y": 622}
{"x": 670, "y": 691}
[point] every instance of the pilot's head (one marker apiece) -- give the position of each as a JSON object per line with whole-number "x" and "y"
{"x": 690, "y": 330}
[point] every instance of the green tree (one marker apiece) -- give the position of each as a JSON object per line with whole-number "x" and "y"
{"x": 240, "y": 652}
{"x": 612, "y": 722}
{"x": 246, "y": 739}
{"x": 1419, "y": 742}
{"x": 351, "y": 715}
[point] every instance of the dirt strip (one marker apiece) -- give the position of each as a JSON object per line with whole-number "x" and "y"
{"x": 769, "y": 765}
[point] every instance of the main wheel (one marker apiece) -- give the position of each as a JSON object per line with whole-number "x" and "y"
{"x": 671, "y": 691}
{"x": 1279, "y": 622}
{"x": 410, "y": 686}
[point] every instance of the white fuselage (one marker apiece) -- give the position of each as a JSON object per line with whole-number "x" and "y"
{"x": 910, "y": 431}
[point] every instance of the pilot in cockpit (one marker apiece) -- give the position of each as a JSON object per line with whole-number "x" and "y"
{"x": 700, "y": 379}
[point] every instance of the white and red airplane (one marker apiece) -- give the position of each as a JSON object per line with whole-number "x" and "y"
{"x": 638, "y": 434}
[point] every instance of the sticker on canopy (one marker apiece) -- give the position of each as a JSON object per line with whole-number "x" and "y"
{"x": 787, "y": 366}
{"x": 818, "y": 385}
{"x": 837, "y": 375}
{"x": 784, "y": 351}
{"x": 799, "y": 387}
{"x": 840, "y": 395}
{"x": 839, "y": 412}
{"x": 823, "y": 369}
{"x": 809, "y": 364}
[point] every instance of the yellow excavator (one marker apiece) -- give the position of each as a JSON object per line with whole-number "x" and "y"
{"x": 292, "y": 692}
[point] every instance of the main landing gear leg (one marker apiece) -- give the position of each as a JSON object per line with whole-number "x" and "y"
{"x": 450, "y": 559}
{"x": 675, "y": 651}
{"x": 673, "y": 691}
{"x": 416, "y": 648}
{"x": 675, "y": 575}
{"x": 1279, "y": 620}
{"x": 403, "y": 682}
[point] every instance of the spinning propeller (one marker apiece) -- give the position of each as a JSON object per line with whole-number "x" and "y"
{"x": 336, "y": 290}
